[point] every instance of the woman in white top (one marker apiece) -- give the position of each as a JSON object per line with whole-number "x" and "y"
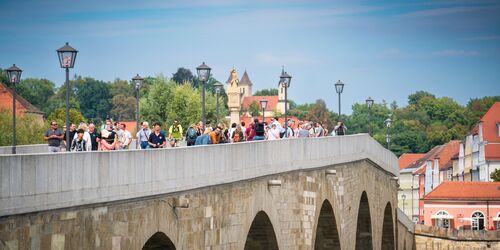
{"x": 273, "y": 133}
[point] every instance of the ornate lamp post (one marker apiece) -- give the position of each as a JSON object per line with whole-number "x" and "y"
{"x": 263, "y": 105}
{"x": 67, "y": 56}
{"x": 339, "y": 88}
{"x": 388, "y": 123}
{"x": 203, "y": 74}
{"x": 285, "y": 80}
{"x": 369, "y": 103}
{"x": 218, "y": 88}
{"x": 137, "y": 80}
{"x": 14, "y": 76}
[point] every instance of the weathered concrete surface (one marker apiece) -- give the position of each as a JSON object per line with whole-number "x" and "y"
{"x": 220, "y": 216}
{"x": 40, "y": 182}
{"x": 406, "y": 229}
{"x": 434, "y": 238}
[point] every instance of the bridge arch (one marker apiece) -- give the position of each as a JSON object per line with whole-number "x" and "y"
{"x": 261, "y": 234}
{"x": 327, "y": 234}
{"x": 388, "y": 228}
{"x": 364, "y": 225}
{"x": 157, "y": 241}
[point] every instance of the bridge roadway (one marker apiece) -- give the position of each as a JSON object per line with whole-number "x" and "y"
{"x": 321, "y": 193}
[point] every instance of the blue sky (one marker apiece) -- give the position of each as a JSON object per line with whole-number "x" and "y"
{"x": 385, "y": 49}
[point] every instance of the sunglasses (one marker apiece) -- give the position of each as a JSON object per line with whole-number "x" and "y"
{"x": 54, "y": 124}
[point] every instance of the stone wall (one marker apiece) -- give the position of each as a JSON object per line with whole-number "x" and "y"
{"x": 427, "y": 237}
{"x": 39, "y": 182}
{"x": 222, "y": 216}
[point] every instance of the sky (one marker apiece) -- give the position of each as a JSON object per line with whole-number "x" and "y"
{"x": 383, "y": 49}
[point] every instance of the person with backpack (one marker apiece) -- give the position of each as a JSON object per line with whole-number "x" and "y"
{"x": 191, "y": 135}
{"x": 340, "y": 129}
{"x": 237, "y": 135}
{"x": 175, "y": 133}
{"x": 260, "y": 132}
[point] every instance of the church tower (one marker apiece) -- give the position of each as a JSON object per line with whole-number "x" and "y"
{"x": 234, "y": 96}
{"x": 245, "y": 85}
{"x": 281, "y": 98}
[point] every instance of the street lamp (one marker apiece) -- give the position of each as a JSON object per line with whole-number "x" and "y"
{"x": 137, "y": 80}
{"x": 218, "y": 88}
{"x": 388, "y": 123}
{"x": 285, "y": 80}
{"x": 404, "y": 198}
{"x": 203, "y": 74}
{"x": 14, "y": 76}
{"x": 369, "y": 103}
{"x": 339, "y": 88}
{"x": 263, "y": 105}
{"x": 67, "y": 56}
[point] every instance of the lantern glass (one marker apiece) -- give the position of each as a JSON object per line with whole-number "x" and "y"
{"x": 203, "y": 72}
{"x": 263, "y": 103}
{"x": 67, "y": 56}
{"x": 14, "y": 74}
{"x": 388, "y": 122}
{"x": 369, "y": 102}
{"x": 339, "y": 87}
{"x": 217, "y": 87}
{"x": 285, "y": 79}
{"x": 137, "y": 80}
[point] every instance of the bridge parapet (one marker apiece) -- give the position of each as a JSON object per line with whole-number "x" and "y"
{"x": 40, "y": 182}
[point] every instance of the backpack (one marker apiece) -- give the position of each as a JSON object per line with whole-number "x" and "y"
{"x": 259, "y": 129}
{"x": 340, "y": 130}
{"x": 191, "y": 134}
{"x": 236, "y": 137}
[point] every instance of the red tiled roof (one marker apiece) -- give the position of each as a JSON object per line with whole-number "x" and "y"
{"x": 272, "y": 101}
{"x": 465, "y": 190}
{"x": 428, "y": 156}
{"x": 22, "y": 104}
{"x": 406, "y": 160}
{"x": 490, "y": 132}
{"x": 445, "y": 156}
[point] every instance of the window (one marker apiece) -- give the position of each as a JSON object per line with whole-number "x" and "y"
{"x": 477, "y": 221}
{"x": 442, "y": 219}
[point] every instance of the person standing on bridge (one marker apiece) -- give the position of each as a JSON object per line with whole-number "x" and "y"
{"x": 157, "y": 139}
{"x": 175, "y": 133}
{"x": 79, "y": 144}
{"x": 340, "y": 129}
{"x": 191, "y": 135}
{"x": 143, "y": 135}
{"x": 54, "y": 137}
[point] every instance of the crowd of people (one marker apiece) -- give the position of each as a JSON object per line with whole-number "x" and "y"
{"x": 115, "y": 136}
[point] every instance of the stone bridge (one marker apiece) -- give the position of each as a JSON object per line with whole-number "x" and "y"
{"x": 314, "y": 193}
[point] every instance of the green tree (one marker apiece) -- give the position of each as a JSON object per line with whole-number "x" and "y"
{"x": 254, "y": 109}
{"x": 93, "y": 96}
{"x": 3, "y": 78}
{"x": 36, "y": 91}
{"x": 59, "y": 115}
{"x": 495, "y": 175}
{"x": 29, "y": 130}
{"x": 182, "y": 76}
{"x": 318, "y": 112}
{"x": 266, "y": 92}
{"x": 124, "y": 107}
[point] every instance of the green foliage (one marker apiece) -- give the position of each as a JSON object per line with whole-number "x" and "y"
{"x": 93, "y": 96}
{"x": 36, "y": 91}
{"x": 319, "y": 113}
{"x": 168, "y": 100}
{"x": 3, "y": 78}
{"x": 59, "y": 115}
{"x": 266, "y": 92}
{"x": 182, "y": 76}
{"x": 477, "y": 107}
{"x": 254, "y": 109}
{"x": 495, "y": 175}
{"x": 29, "y": 130}
{"x": 123, "y": 101}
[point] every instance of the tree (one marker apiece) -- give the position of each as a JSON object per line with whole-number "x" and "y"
{"x": 254, "y": 109}
{"x": 318, "y": 112}
{"x": 93, "y": 96}
{"x": 59, "y": 115}
{"x": 266, "y": 92}
{"x": 36, "y": 91}
{"x": 3, "y": 78}
{"x": 29, "y": 130}
{"x": 182, "y": 76}
{"x": 495, "y": 175}
{"x": 124, "y": 107}
{"x": 415, "y": 98}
